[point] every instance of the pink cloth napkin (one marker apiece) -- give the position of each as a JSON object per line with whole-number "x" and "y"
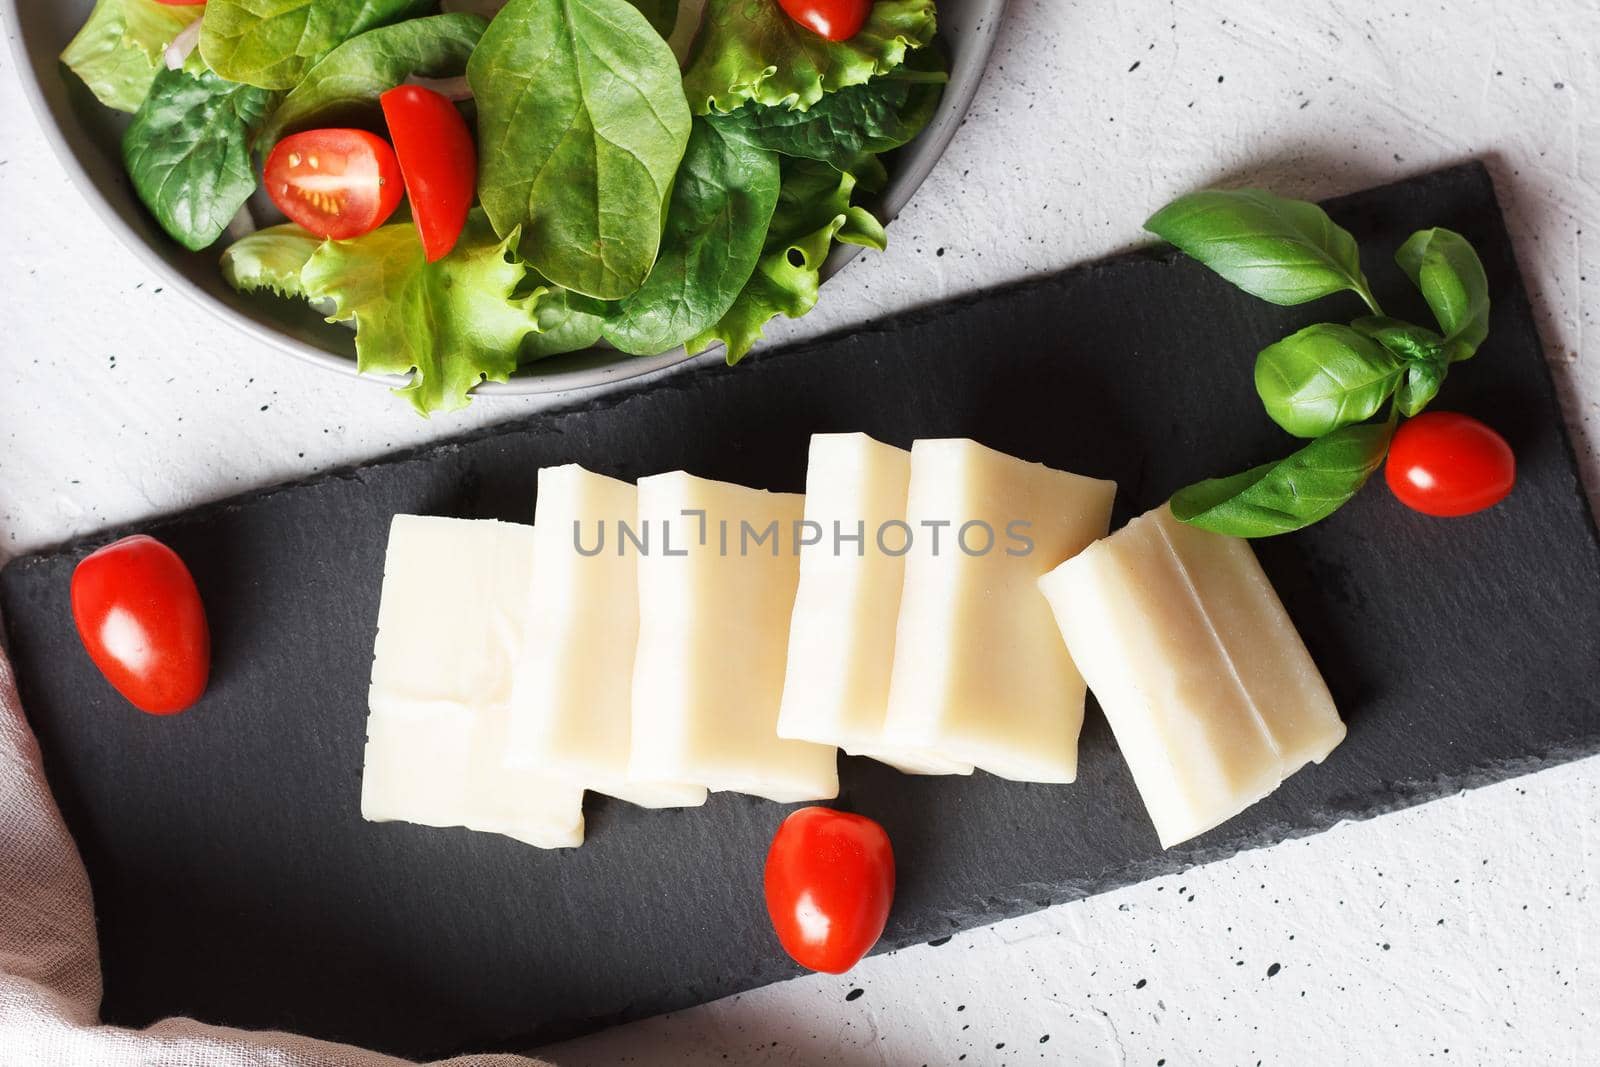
{"x": 50, "y": 961}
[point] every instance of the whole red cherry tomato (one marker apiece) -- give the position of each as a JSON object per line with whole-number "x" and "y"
{"x": 829, "y": 883}
{"x": 336, "y": 183}
{"x": 1446, "y": 464}
{"x": 837, "y": 20}
{"x": 139, "y": 616}
{"x": 437, "y": 161}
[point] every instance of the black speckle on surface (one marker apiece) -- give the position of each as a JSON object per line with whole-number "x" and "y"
{"x": 1140, "y": 984}
{"x": 1044, "y": 1039}
{"x": 1219, "y": 78}
{"x": 1274, "y": 969}
{"x": 961, "y": 1007}
{"x": 1386, "y": 946}
{"x": 1136, "y": 67}
{"x": 855, "y": 994}
{"x": 999, "y": 1044}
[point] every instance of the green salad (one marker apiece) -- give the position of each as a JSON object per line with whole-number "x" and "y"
{"x": 482, "y": 186}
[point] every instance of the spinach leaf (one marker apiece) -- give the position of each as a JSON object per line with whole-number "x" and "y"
{"x": 844, "y": 126}
{"x": 1324, "y": 377}
{"x": 1292, "y": 493}
{"x": 661, "y": 14}
{"x": 361, "y": 69}
{"x": 272, "y": 43}
{"x": 1444, "y": 266}
{"x": 813, "y": 211}
{"x": 581, "y": 126}
{"x": 1283, "y": 251}
{"x": 188, "y": 152}
{"x": 716, "y": 228}
{"x": 752, "y": 50}
{"x": 119, "y": 50}
{"x": 567, "y": 322}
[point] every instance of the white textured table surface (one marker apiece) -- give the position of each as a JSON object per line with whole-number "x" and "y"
{"x": 1463, "y": 931}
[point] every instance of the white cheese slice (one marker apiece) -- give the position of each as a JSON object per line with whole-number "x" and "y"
{"x": 1212, "y": 695}
{"x": 450, "y": 621}
{"x": 716, "y": 587}
{"x": 980, "y": 673}
{"x": 841, "y": 637}
{"x": 571, "y": 693}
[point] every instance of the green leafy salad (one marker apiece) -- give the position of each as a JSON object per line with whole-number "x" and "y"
{"x": 486, "y": 185}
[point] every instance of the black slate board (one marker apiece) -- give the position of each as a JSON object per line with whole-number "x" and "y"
{"x": 235, "y": 880}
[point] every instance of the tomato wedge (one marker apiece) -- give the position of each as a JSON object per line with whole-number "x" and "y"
{"x": 336, "y": 183}
{"x": 437, "y": 160}
{"x": 140, "y": 618}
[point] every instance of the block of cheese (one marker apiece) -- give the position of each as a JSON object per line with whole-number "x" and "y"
{"x": 841, "y": 637}
{"x": 980, "y": 673}
{"x": 454, "y": 601}
{"x": 717, "y": 577}
{"x": 1212, "y": 695}
{"x": 572, "y": 687}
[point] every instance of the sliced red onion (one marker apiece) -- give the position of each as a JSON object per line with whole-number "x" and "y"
{"x": 450, "y": 88}
{"x": 177, "y": 53}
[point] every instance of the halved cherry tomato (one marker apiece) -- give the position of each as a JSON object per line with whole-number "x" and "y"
{"x": 829, "y": 883}
{"x": 140, "y": 618}
{"x": 837, "y": 20}
{"x": 1445, "y": 464}
{"x": 437, "y": 160}
{"x": 336, "y": 183}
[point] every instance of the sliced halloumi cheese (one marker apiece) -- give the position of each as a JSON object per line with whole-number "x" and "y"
{"x": 717, "y": 582}
{"x": 572, "y": 686}
{"x": 1209, "y": 689}
{"x": 841, "y": 636}
{"x": 450, "y": 622}
{"x": 980, "y": 673}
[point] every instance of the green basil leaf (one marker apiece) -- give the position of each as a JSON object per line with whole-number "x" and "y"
{"x": 1283, "y": 251}
{"x": 1421, "y": 385}
{"x": 582, "y": 123}
{"x": 1407, "y": 341}
{"x": 1444, "y": 266}
{"x": 844, "y": 126}
{"x": 1294, "y": 492}
{"x": 1324, "y": 377}
{"x": 188, "y": 152}
{"x": 716, "y": 226}
{"x": 119, "y": 50}
{"x": 661, "y": 14}
{"x": 272, "y": 43}
{"x": 355, "y": 74}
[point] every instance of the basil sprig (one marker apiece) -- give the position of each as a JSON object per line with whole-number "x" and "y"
{"x": 1327, "y": 382}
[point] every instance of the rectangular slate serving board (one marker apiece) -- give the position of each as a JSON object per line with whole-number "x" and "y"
{"x": 234, "y": 879}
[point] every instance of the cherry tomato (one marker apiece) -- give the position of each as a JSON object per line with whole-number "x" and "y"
{"x": 837, "y": 20}
{"x": 829, "y": 884}
{"x": 139, "y": 616}
{"x": 1442, "y": 463}
{"x": 335, "y": 183}
{"x": 437, "y": 160}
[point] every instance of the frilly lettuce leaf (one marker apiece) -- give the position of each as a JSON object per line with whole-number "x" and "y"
{"x": 752, "y": 50}
{"x": 449, "y": 324}
{"x": 813, "y": 211}
{"x": 119, "y": 49}
{"x": 270, "y": 259}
